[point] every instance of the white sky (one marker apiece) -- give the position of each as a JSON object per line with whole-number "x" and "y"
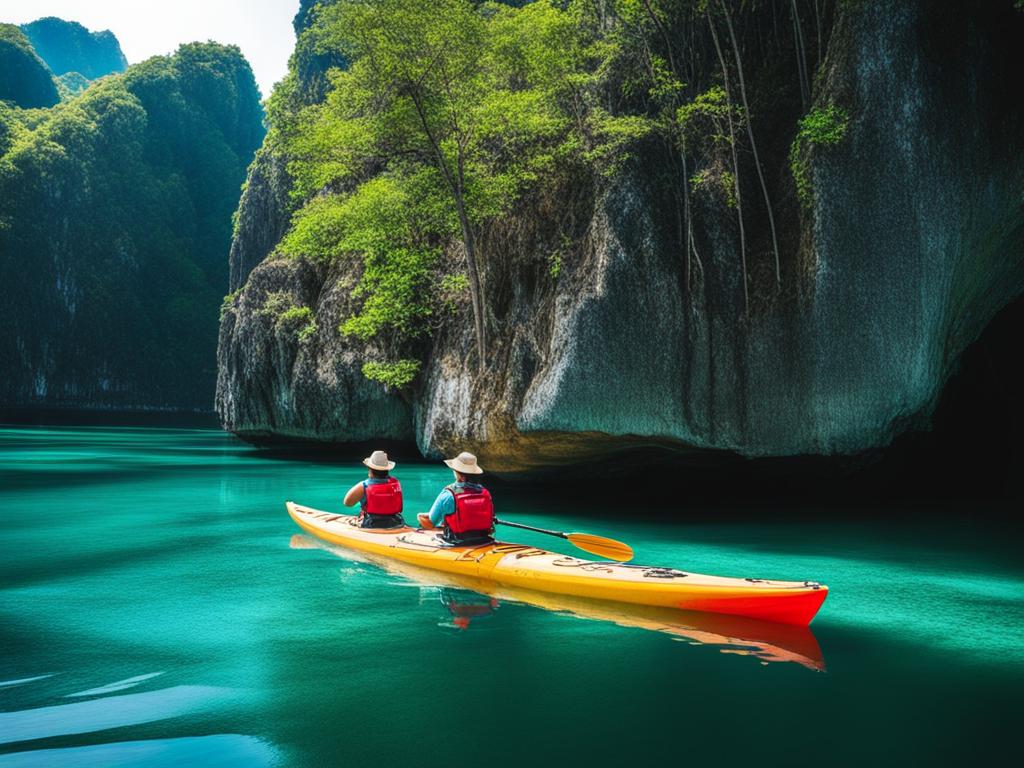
{"x": 261, "y": 28}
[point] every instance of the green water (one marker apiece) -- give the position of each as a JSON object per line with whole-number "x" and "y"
{"x": 155, "y": 609}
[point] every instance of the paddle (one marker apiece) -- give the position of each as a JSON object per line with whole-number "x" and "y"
{"x": 595, "y": 545}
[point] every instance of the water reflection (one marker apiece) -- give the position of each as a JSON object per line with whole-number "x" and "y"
{"x": 22, "y": 681}
{"x": 114, "y": 687}
{"x": 112, "y": 712}
{"x": 463, "y": 606}
{"x": 109, "y": 712}
{"x": 225, "y": 750}
{"x": 766, "y": 641}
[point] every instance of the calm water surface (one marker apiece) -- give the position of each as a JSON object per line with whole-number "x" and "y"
{"x": 157, "y": 608}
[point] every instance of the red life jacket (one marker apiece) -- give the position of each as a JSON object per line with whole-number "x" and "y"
{"x": 383, "y": 498}
{"x": 474, "y": 510}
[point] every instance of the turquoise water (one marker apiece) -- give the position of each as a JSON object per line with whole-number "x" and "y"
{"x": 157, "y": 608}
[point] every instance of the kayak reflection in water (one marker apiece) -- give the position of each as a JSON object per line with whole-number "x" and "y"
{"x": 464, "y": 509}
{"x": 464, "y": 606}
{"x": 379, "y": 496}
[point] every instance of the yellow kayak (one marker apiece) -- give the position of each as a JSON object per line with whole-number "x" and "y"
{"x": 518, "y": 565}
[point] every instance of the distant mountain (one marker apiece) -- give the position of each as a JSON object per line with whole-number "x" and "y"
{"x": 67, "y": 46}
{"x": 24, "y": 78}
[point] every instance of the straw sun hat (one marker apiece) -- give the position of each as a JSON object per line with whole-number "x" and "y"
{"x": 465, "y": 463}
{"x": 379, "y": 460}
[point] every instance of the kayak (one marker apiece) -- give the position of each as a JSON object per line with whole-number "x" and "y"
{"x": 519, "y": 565}
{"x": 767, "y": 641}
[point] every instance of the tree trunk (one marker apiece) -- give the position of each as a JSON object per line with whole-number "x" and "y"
{"x": 456, "y": 186}
{"x": 801, "y": 61}
{"x": 735, "y": 162}
{"x": 475, "y": 288}
{"x": 753, "y": 144}
{"x": 817, "y": 24}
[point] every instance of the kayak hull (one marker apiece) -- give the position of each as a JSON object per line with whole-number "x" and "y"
{"x": 517, "y": 565}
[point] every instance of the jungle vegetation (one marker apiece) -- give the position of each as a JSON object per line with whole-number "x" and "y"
{"x": 115, "y": 222}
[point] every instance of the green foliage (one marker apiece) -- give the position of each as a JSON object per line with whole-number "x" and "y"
{"x": 822, "y": 127}
{"x": 307, "y": 332}
{"x": 228, "y": 303}
{"x": 301, "y": 319}
{"x": 397, "y": 374}
{"x": 71, "y": 84}
{"x": 117, "y": 209}
{"x": 614, "y": 135}
{"x": 556, "y": 256}
{"x": 276, "y": 303}
{"x": 452, "y": 292}
{"x": 294, "y": 315}
{"x": 555, "y": 264}
{"x": 380, "y": 222}
{"x": 24, "y": 78}
{"x": 707, "y": 116}
{"x": 702, "y": 125}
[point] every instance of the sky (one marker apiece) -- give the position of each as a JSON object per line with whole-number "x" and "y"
{"x": 261, "y": 28}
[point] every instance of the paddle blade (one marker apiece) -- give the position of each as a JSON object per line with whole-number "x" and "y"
{"x": 602, "y": 547}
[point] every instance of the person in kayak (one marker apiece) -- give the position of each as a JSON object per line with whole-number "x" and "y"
{"x": 464, "y": 509}
{"x": 379, "y": 495}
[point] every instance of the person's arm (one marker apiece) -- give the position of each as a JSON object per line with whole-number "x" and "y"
{"x": 355, "y": 494}
{"x": 443, "y": 505}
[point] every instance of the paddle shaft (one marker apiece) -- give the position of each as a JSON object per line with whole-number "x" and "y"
{"x": 595, "y": 545}
{"x": 559, "y": 534}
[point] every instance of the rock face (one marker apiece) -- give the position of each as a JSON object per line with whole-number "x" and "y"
{"x": 282, "y": 383}
{"x": 67, "y": 46}
{"x": 912, "y": 239}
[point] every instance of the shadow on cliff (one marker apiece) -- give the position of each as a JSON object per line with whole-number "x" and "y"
{"x": 972, "y": 451}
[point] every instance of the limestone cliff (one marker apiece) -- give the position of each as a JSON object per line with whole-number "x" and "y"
{"x": 909, "y": 239}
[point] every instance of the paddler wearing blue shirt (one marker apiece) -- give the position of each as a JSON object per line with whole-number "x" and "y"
{"x": 379, "y": 495}
{"x": 464, "y": 509}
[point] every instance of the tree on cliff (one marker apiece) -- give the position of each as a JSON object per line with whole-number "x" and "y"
{"x": 426, "y": 57}
{"x": 440, "y": 102}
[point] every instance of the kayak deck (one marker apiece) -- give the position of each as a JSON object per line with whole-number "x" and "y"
{"x": 518, "y": 565}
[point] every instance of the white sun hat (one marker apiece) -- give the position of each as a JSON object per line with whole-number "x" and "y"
{"x": 465, "y": 463}
{"x": 379, "y": 460}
